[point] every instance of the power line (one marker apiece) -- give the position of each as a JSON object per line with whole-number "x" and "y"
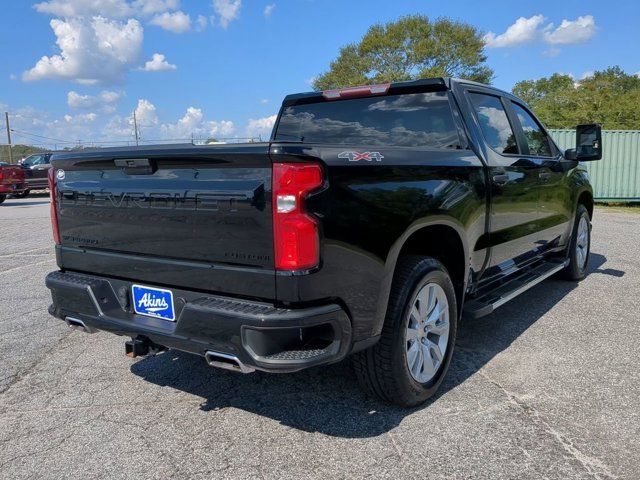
{"x": 40, "y": 136}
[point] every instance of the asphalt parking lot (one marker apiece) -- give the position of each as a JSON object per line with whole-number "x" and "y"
{"x": 547, "y": 387}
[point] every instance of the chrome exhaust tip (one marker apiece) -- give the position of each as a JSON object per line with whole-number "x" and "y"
{"x": 77, "y": 324}
{"x": 226, "y": 361}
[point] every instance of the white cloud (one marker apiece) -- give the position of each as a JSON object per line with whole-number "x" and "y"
{"x": 571, "y": 32}
{"x": 176, "y": 22}
{"x": 227, "y": 10}
{"x": 67, "y": 127}
{"x": 158, "y": 63}
{"x": 13, "y": 76}
{"x": 194, "y": 124}
{"x": 75, "y": 100}
{"x": 74, "y": 8}
{"x": 88, "y": 127}
{"x": 96, "y": 50}
{"x": 146, "y": 113}
{"x": 260, "y": 127}
{"x": 80, "y": 119}
{"x": 264, "y": 101}
{"x": 552, "y": 52}
{"x": 152, "y": 7}
{"x": 527, "y": 30}
{"x": 268, "y": 10}
{"x": 28, "y": 118}
{"x": 120, "y": 128}
{"x": 105, "y": 8}
{"x": 201, "y": 23}
{"x": 524, "y": 30}
{"x": 637, "y": 74}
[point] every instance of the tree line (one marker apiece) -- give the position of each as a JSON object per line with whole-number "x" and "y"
{"x": 415, "y": 47}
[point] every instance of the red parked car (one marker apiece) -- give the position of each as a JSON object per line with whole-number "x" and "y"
{"x": 12, "y": 180}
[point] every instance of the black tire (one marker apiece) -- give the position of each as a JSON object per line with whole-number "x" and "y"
{"x": 382, "y": 369}
{"x": 3, "y": 197}
{"x": 576, "y": 270}
{"x": 24, "y": 194}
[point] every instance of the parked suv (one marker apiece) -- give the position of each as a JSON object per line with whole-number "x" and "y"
{"x": 373, "y": 220}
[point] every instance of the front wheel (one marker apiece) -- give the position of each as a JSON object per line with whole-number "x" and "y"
{"x": 579, "y": 247}
{"x": 408, "y": 364}
{"x": 24, "y": 194}
{"x": 3, "y": 197}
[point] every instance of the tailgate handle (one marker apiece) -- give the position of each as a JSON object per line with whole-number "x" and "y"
{"x": 136, "y": 166}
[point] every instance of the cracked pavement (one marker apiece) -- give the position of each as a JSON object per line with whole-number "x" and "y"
{"x": 546, "y": 387}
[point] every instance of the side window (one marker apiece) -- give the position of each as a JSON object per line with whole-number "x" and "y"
{"x": 537, "y": 139}
{"x": 494, "y": 123}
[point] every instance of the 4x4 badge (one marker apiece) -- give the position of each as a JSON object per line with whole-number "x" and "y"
{"x": 357, "y": 156}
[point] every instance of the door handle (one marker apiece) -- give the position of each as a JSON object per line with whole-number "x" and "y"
{"x": 544, "y": 175}
{"x": 500, "y": 179}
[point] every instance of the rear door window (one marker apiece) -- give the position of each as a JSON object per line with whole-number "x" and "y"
{"x": 494, "y": 123}
{"x": 409, "y": 120}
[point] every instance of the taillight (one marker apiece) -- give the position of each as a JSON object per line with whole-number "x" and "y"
{"x": 54, "y": 211}
{"x": 355, "y": 92}
{"x": 295, "y": 233}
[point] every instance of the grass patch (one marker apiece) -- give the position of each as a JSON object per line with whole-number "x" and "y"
{"x": 619, "y": 207}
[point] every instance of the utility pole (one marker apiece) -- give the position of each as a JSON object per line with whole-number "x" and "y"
{"x": 6, "y": 117}
{"x": 135, "y": 126}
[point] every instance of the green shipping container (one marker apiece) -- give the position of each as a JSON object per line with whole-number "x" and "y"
{"x": 615, "y": 178}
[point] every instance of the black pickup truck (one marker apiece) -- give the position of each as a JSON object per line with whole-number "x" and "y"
{"x": 372, "y": 222}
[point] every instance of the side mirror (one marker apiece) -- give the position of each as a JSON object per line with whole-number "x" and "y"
{"x": 588, "y": 144}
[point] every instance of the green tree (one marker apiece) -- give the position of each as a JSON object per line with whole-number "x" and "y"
{"x": 410, "y": 48}
{"x": 18, "y": 152}
{"x": 609, "y": 97}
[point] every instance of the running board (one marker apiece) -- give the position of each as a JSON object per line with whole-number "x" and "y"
{"x": 488, "y": 302}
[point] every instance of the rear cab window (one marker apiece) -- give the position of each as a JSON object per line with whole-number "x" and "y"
{"x": 406, "y": 120}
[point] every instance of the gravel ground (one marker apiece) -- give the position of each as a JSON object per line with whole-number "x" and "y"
{"x": 547, "y": 387}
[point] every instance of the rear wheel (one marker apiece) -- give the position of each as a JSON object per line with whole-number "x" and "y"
{"x": 579, "y": 247}
{"x": 24, "y": 194}
{"x": 408, "y": 364}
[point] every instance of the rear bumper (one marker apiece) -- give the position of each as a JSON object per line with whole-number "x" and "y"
{"x": 37, "y": 184}
{"x": 260, "y": 335}
{"x": 13, "y": 188}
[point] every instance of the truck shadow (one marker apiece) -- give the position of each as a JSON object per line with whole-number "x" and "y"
{"x": 328, "y": 400}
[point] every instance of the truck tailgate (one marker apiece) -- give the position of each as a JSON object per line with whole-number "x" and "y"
{"x": 184, "y": 216}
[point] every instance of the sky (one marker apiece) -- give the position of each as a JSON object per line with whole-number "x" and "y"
{"x": 75, "y": 70}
